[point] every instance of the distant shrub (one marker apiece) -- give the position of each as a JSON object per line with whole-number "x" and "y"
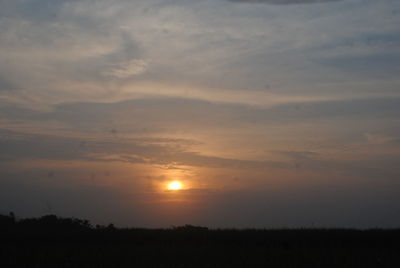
{"x": 188, "y": 227}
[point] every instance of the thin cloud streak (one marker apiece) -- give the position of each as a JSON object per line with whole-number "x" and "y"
{"x": 284, "y": 2}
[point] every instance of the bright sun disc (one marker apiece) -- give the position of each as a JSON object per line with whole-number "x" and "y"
{"x": 175, "y": 185}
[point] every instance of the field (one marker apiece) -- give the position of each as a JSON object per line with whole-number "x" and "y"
{"x": 56, "y": 242}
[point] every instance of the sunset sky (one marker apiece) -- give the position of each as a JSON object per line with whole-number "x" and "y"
{"x": 269, "y": 113}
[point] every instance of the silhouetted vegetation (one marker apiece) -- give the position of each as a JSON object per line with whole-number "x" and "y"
{"x": 51, "y": 241}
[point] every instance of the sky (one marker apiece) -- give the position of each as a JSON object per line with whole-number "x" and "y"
{"x": 271, "y": 113}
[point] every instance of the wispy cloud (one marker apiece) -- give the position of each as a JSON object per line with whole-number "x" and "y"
{"x": 128, "y": 69}
{"x": 227, "y": 93}
{"x": 16, "y": 146}
{"x": 284, "y": 2}
{"x": 378, "y": 138}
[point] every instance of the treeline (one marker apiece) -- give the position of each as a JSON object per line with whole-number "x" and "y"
{"x": 52, "y": 225}
{"x": 48, "y": 223}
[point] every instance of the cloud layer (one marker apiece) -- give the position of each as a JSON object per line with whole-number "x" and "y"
{"x": 284, "y": 2}
{"x": 258, "y": 109}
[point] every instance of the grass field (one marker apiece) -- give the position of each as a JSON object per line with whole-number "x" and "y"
{"x": 55, "y": 242}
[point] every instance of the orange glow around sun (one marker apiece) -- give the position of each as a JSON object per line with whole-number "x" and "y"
{"x": 175, "y": 186}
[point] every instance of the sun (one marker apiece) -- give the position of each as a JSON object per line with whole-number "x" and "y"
{"x": 175, "y": 186}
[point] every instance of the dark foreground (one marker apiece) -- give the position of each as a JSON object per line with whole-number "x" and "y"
{"x": 56, "y": 242}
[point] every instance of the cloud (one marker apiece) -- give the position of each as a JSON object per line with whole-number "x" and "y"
{"x": 161, "y": 153}
{"x": 139, "y": 84}
{"x": 158, "y": 116}
{"x": 5, "y": 85}
{"x": 128, "y": 69}
{"x": 284, "y": 2}
{"x": 377, "y": 138}
{"x": 17, "y": 146}
{"x": 299, "y": 156}
{"x": 204, "y": 48}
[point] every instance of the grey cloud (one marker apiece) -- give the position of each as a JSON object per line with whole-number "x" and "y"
{"x": 37, "y": 10}
{"x": 170, "y": 113}
{"x": 31, "y": 41}
{"x": 284, "y": 2}
{"x": 165, "y": 152}
{"x": 194, "y": 159}
{"x": 299, "y": 155}
{"x": 17, "y": 146}
{"x": 378, "y": 138}
{"x": 126, "y": 33}
{"x": 358, "y": 66}
{"x": 155, "y": 115}
{"x": 6, "y": 85}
